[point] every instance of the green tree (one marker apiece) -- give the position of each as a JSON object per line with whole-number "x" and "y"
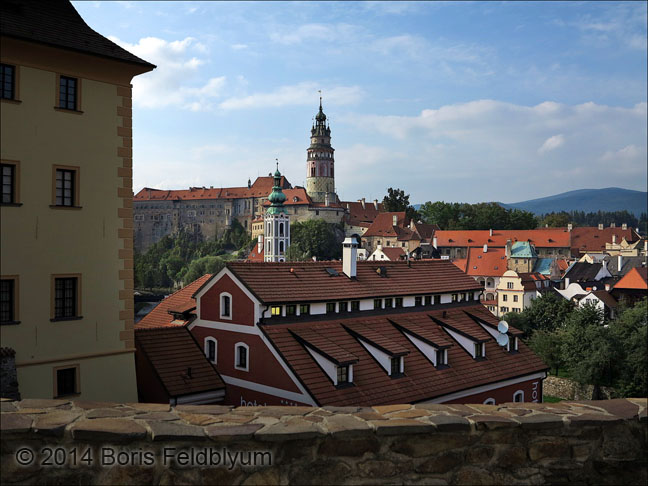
{"x": 556, "y": 220}
{"x": 547, "y": 345}
{"x": 590, "y": 352}
{"x": 548, "y": 312}
{"x": 396, "y": 201}
{"x": 629, "y": 329}
{"x": 314, "y": 238}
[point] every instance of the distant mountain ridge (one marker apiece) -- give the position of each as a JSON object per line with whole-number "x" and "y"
{"x": 588, "y": 200}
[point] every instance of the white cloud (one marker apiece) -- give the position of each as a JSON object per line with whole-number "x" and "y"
{"x": 298, "y": 94}
{"x": 552, "y": 143}
{"x": 177, "y": 65}
{"x": 289, "y": 35}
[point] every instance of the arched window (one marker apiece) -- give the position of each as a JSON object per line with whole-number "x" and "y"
{"x": 313, "y": 171}
{"x": 225, "y": 305}
{"x": 210, "y": 349}
{"x": 281, "y": 229}
{"x": 489, "y": 401}
{"x": 518, "y": 396}
{"x": 241, "y": 357}
{"x": 281, "y": 247}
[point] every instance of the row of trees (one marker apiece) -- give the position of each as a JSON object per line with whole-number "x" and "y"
{"x": 315, "y": 238}
{"x": 592, "y": 350}
{"x": 581, "y": 218}
{"x": 185, "y": 256}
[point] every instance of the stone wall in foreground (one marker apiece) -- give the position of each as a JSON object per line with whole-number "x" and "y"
{"x": 74, "y": 442}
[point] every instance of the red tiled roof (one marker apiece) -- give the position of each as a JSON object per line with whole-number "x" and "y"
{"x": 590, "y": 238}
{"x": 160, "y": 317}
{"x": 291, "y": 194}
{"x": 262, "y": 187}
{"x": 310, "y": 282}
{"x": 172, "y": 351}
{"x": 394, "y": 253}
{"x": 529, "y": 280}
{"x": 543, "y": 238}
{"x": 460, "y": 263}
{"x": 421, "y": 380}
{"x": 493, "y": 263}
{"x": 383, "y": 224}
{"x": 255, "y": 255}
{"x": 321, "y": 343}
{"x": 359, "y": 216}
{"x": 637, "y": 278}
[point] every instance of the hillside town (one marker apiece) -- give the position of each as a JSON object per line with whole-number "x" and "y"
{"x": 398, "y": 309}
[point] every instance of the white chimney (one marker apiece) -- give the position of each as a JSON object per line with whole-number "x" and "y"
{"x": 485, "y": 248}
{"x": 260, "y": 244}
{"x": 624, "y": 226}
{"x": 613, "y": 239}
{"x": 394, "y": 220}
{"x": 619, "y": 263}
{"x": 490, "y": 232}
{"x": 570, "y": 227}
{"x": 435, "y": 241}
{"x": 612, "y": 225}
{"x": 349, "y": 257}
{"x": 363, "y": 203}
{"x": 376, "y": 204}
{"x": 600, "y": 226}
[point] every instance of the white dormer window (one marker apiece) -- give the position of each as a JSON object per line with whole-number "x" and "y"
{"x": 397, "y": 366}
{"x": 344, "y": 375}
{"x": 211, "y": 349}
{"x": 225, "y": 305}
{"x": 480, "y": 350}
{"x": 441, "y": 357}
{"x": 241, "y": 357}
{"x": 518, "y": 396}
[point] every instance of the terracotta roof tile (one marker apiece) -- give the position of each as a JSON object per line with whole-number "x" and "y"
{"x": 493, "y": 263}
{"x": 373, "y": 386}
{"x": 310, "y": 281}
{"x": 543, "y": 238}
{"x": 590, "y": 238}
{"x": 383, "y": 224}
{"x": 160, "y": 317}
{"x": 361, "y": 216}
{"x": 172, "y": 352}
{"x": 637, "y": 278}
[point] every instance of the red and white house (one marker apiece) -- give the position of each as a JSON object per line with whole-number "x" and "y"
{"x": 353, "y": 333}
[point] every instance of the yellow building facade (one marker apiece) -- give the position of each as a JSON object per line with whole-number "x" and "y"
{"x": 66, "y": 215}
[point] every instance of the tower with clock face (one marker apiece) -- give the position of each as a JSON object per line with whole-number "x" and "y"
{"x": 320, "y": 163}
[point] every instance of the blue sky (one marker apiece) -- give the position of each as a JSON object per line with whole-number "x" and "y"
{"x": 457, "y": 101}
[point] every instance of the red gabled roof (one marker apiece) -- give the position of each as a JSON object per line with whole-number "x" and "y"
{"x": 590, "y": 238}
{"x": 493, "y": 263}
{"x": 637, "y": 279}
{"x": 176, "y": 302}
{"x": 172, "y": 352}
{"x": 421, "y": 381}
{"x": 262, "y": 187}
{"x": 361, "y": 216}
{"x": 383, "y": 224}
{"x": 255, "y": 255}
{"x": 311, "y": 282}
{"x": 543, "y": 238}
{"x": 394, "y": 253}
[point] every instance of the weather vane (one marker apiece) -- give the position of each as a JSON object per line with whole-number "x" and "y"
{"x": 277, "y": 163}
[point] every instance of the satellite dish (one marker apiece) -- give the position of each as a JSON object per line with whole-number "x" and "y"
{"x": 503, "y": 327}
{"x": 502, "y": 340}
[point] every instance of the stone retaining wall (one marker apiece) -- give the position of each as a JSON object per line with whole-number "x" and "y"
{"x": 570, "y": 390}
{"x": 602, "y": 442}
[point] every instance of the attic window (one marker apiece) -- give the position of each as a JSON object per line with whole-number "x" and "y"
{"x": 478, "y": 256}
{"x": 480, "y": 350}
{"x": 396, "y": 366}
{"x": 343, "y": 377}
{"x": 332, "y": 272}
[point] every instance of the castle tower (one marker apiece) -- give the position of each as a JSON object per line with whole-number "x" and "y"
{"x": 276, "y": 224}
{"x": 320, "y": 180}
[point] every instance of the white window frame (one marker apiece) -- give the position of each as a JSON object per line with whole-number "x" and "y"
{"x": 209, "y": 339}
{"x": 247, "y": 352}
{"x": 519, "y": 392}
{"x": 220, "y": 305}
{"x": 489, "y": 401}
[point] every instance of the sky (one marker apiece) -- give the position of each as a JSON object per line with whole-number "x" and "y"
{"x": 452, "y": 101}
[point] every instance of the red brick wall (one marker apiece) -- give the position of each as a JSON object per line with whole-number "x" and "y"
{"x": 242, "y": 307}
{"x": 263, "y": 366}
{"x": 532, "y": 393}
{"x": 241, "y": 397}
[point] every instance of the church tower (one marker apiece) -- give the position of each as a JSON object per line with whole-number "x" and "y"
{"x": 320, "y": 180}
{"x": 276, "y": 232}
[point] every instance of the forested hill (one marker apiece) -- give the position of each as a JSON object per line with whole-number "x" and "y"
{"x": 588, "y": 200}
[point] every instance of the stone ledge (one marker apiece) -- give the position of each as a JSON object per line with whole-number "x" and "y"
{"x": 98, "y": 420}
{"x": 513, "y": 443}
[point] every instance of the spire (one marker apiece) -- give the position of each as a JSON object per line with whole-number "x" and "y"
{"x": 277, "y": 197}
